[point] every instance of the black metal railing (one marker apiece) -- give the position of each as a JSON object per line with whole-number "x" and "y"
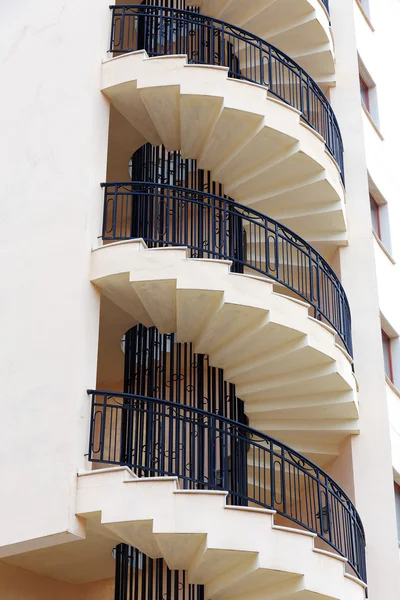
{"x": 215, "y": 227}
{"x": 139, "y": 577}
{"x": 166, "y": 31}
{"x": 326, "y": 4}
{"x": 207, "y": 451}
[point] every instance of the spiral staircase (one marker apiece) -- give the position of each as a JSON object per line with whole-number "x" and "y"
{"x": 237, "y": 502}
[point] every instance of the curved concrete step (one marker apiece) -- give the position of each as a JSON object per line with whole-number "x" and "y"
{"x": 235, "y": 552}
{"x": 300, "y": 28}
{"x": 281, "y": 360}
{"x": 255, "y": 145}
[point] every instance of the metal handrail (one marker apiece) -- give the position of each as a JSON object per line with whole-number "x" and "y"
{"x": 326, "y": 4}
{"x": 216, "y": 227}
{"x": 208, "y": 451}
{"x": 205, "y": 40}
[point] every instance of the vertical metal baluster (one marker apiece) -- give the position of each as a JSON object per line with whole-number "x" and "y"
{"x": 120, "y": 45}
{"x": 92, "y": 431}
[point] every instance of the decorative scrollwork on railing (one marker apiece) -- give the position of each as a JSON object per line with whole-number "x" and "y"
{"x": 208, "y": 451}
{"x": 166, "y": 31}
{"x": 216, "y": 227}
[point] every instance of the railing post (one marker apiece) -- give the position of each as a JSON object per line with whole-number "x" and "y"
{"x": 222, "y": 61}
{"x": 328, "y": 511}
{"x": 270, "y": 87}
{"x": 277, "y": 257}
{"x": 112, "y": 28}
{"x": 105, "y": 207}
{"x": 103, "y": 425}
{"x": 262, "y": 76}
{"x": 301, "y": 73}
{"x": 283, "y": 481}
{"x": 308, "y": 113}
{"x": 122, "y": 29}
{"x": 91, "y": 430}
{"x": 115, "y": 203}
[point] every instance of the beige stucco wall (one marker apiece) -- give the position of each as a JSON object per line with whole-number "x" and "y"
{"x": 377, "y": 50}
{"x": 20, "y": 584}
{"x": 52, "y": 158}
{"x": 382, "y": 154}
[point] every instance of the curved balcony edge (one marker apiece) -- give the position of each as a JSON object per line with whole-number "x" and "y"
{"x": 206, "y": 40}
{"x": 208, "y": 451}
{"x": 217, "y": 227}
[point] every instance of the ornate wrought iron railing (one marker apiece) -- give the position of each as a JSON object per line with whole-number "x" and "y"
{"x": 167, "y": 31}
{"x": 207, "y": 451}
{"x": 215, "y": 227}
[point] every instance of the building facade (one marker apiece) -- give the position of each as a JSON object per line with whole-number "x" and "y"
{"x": 200, "y": 362}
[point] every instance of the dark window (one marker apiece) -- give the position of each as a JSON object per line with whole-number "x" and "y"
{"x": 364, "y": 93}
{"x": 387, "y": 356}
{"x": 376, "y": 223}
{"x": 397, "y": 501}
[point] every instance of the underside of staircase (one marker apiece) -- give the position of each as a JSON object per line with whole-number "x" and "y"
{"x": 235, "y": 552}
{"x": 296, "y": 381}
{"x": 258, "y": 147}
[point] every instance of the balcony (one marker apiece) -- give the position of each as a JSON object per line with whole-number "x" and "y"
{"x": 206, "y": 451}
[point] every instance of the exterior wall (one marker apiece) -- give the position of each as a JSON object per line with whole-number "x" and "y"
{"x": 52, "y": 160}
{"x": 382, "y": 162}
{"x": 382, "y": 154}
{"x": 20, "y": 584}
{"x": 371, "y": 452}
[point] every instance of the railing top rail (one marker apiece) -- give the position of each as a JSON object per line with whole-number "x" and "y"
{"x": 273, "y": 446}
{"x": 255, "y": 214}
{"x": 242, "y": 426}
{"x": 252, "y": 39}
{"x": 257, "y": 219}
